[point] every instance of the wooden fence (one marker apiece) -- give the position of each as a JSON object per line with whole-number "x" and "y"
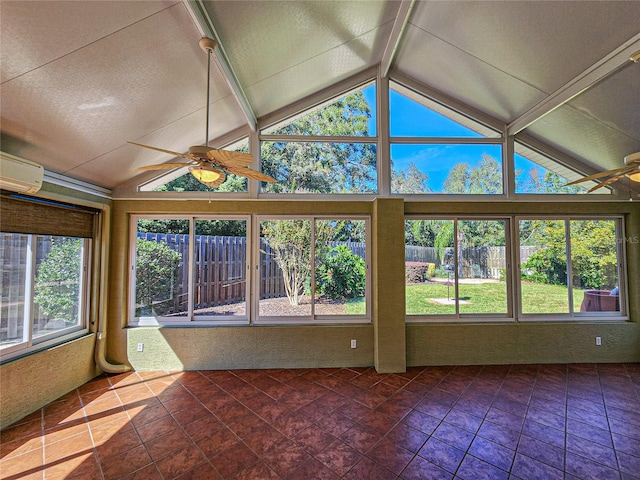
{"x": 474, "y": 262}
{"x": 220, "y": 266}
{"x": 220, "y": 275}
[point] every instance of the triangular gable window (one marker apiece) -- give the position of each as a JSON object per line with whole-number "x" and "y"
{"x": 413, "y": 115}
{"x": 353, "y": 114}
{"x": 537, "y": 173}
{"x": 180, "y": 180}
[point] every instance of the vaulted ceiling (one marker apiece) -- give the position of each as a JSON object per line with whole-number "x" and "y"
{"x": 80, "y": 79}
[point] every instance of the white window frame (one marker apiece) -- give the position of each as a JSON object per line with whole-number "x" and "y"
{"x": 30, "y": 343}
{"x": 458, "y": 317}
{"x": 312, "y": 319}
{"x": 189, "y": 318}
{"x": 571, "y": 315}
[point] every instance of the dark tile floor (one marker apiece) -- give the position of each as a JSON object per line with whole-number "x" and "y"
{"x": 471, "y": 422}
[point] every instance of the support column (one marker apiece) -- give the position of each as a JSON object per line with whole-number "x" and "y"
{"x": 389, "y": 286}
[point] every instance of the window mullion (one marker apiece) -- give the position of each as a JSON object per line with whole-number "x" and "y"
{"x": 192, "y": 269}
{"x": 30, "y": 275}
{"x": 567, "y": 234}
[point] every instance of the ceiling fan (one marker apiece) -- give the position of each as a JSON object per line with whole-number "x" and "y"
{"x": 210, "y": 165}
{"x": 631, "y": 170}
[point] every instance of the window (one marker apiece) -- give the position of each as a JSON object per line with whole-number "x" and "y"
{"x": 329, "y": 150}
{"x": 537, "y": 173}
{"x": 455, "y": 267}
{"x": 571, "y": 266}
{"x": 437, "y": 150}
{"x": 44, "y": 289}
{"x": 197, "y": 269}
{"x": 313, "y": 269}
{"x": 45, "y": 250}
{"x": 190, "y": 269}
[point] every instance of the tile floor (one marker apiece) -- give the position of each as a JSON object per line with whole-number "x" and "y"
{"x": 471, "y": 422}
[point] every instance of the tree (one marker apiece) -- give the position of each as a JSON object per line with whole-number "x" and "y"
{"x": 549, "y": 182}
{"x": 57, "y": 286}
{"x": 410, "y": 180}
{"x": 324, "y": 167}
{"x": 485, "y": 178}
{"x": 289, "y": 243}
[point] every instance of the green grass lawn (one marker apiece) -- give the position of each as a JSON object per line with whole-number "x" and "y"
{"x": 482, "y": 298}
{"x": 489, "y": 298}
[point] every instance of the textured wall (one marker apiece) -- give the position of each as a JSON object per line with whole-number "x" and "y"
{"x": 31, "y": 382}
{"x": 388, "y": 276}
{"x": 249, "y": 347}
{"x": 478, "y": 344}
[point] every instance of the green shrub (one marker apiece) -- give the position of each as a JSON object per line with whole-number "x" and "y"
{"x": 58, "y": 280}
{"x": 418, "y": 272}
{"x": 342, "y": 274}
{"x": 156, "y": 274}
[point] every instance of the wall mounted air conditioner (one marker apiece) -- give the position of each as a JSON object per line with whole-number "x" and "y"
{"x": 19, "y": 175}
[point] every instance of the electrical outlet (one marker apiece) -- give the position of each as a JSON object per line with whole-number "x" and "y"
{"x": 598, "y": 341}
{"x": 141, "y": 347}
{"x": 353, "y": 344}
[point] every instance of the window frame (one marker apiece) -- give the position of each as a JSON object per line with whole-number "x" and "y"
{"x": 457, "y": 316}
{"x": 313, "y": 318}
{"x": 29, "y": 343}
{"x": 571, "y": 314}
{"x": 189, "y": 319}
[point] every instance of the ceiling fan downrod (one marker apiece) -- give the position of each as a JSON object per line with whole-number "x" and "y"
{"x": 208, "y": 45}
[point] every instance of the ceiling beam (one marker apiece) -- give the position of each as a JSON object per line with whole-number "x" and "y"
{"x": 592, "y": 75}
{"x": 204, "y": 24}
{"x": 399, "y": 24}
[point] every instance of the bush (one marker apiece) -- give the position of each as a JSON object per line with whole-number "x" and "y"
{"x": 343, "y": 274}
{"x": 545, "y": 266}
{"x": 417, "y": 272}
{"x": 156, "y": 273}
{"x": 57, "y": 286}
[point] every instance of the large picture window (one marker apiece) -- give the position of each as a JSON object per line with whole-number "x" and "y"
{"x": 188, "y": 269}
{"x": 203, "y": 269}
{"x": 571, "y": 266}
{"x": 313, "y": 269}
{"x": 456, "y": 267}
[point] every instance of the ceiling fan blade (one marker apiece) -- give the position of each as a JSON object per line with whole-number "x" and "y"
{"x": 229, "y": 158}
{"x": 250, "y": 173}
{"x": 175, "y": 154}
{"x": 164, "y": 166}
{"x": 606, "y": 182}
{"x": 600, "y": 175}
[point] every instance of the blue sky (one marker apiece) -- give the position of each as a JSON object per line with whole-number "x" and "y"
{"x": 410, "y": 119}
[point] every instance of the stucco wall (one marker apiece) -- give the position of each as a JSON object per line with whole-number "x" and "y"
{"x": 31, "y": 382}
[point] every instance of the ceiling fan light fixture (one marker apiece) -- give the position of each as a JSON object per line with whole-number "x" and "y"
{"x": 207, "y": 176}
{"x": 633, "y": 159}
